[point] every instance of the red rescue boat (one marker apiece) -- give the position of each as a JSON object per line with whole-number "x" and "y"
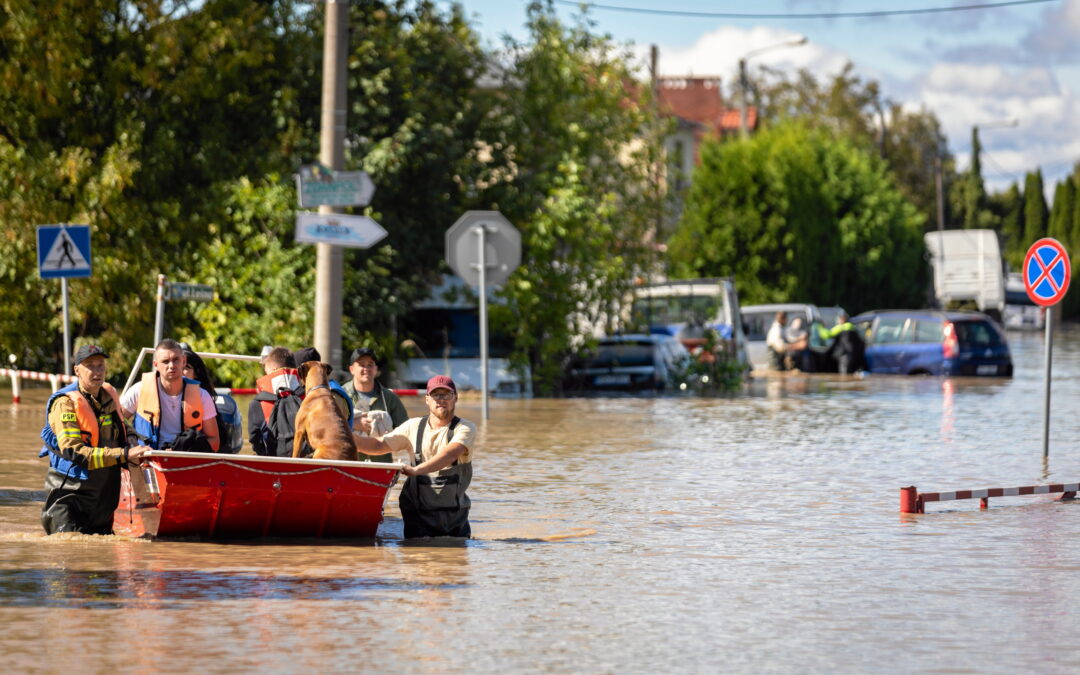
{"x": 192, "y": 494}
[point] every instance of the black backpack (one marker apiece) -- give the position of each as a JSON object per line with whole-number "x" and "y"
{"x": 281, "y": 427}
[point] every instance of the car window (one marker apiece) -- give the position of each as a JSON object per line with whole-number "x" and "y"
{"x": 622, "y": 354}
{"x": 756, "y": 324}
{"x": 928, "y": 330}
{"x": 891, "y": 329}
{"x": 975, "y": 334}
{"x": 863, "y": 327}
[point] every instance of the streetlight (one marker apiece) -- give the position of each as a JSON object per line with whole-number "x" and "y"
{"x": 744, "y": 81}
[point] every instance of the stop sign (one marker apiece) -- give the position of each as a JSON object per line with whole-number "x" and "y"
{"x": 502, "y": 247}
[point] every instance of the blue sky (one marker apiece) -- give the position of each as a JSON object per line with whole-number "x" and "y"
{"x": 970, "y": 68}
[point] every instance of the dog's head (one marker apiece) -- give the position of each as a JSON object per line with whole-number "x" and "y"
{"x": 313, "y": 373}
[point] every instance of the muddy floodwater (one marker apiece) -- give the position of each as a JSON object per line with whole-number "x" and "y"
{"x": 755, "y": 533}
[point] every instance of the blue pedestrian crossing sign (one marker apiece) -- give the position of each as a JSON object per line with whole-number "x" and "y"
{"x": 63, "y": 251}
{"x": 1047, "y": 272}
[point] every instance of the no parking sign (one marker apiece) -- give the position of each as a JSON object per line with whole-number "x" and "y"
{"x": 1046, "y": 272}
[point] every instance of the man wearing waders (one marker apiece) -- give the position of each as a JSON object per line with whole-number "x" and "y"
{"x": 84, "y": 438}
{"x": 433, "y": 500}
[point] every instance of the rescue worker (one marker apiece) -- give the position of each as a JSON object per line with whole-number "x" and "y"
{"x": 438, "y": 443}
{"x": 84, "y": 437}
{"x": 848, "y": 348}
{"x": 171, "y": 411}
{"x": 369, "y": 396}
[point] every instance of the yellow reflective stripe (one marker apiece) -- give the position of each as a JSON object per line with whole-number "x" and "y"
{"x": 95, "y": 459}
{"x": 105, "y": 421}
{"x": 71, "y": 434}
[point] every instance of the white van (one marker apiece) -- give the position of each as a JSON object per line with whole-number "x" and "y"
{"x": 757, "y": 319}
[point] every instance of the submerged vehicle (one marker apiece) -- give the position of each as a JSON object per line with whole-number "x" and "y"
{"x": 1021, "y": 312}
{"x": 630, "y": 363}
{"x": 686, "y": 308}
{"x": 221, "y": 495}
{"x": 933, "y": 342}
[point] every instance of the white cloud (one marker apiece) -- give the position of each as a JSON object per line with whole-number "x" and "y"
{"x": 717, "y": 53}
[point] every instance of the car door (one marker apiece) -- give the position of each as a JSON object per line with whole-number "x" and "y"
{"x": 887, "y": 346}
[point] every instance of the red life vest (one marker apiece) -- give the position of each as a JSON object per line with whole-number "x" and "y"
{"x": 272, "y": 382}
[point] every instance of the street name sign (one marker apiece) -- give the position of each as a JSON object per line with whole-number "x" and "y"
{"x": 1047, "y": 272}
{"x": 194, "y": 292}
{"x": 338, "y": 230}
{"x": 63, "y": 251}
{"x": 318, "y": 186}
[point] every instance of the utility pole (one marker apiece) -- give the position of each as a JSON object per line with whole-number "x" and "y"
{"x": 328, "y": 265}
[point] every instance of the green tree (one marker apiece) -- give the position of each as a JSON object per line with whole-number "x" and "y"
{"x": 576, "y": 182}
{"x": 124, "y": 115}
{"x": 1061, "y": 213}
{"x": 796, "y": 214}
{"x": 846, "y": 104}
{"x": 1036, "y": 215}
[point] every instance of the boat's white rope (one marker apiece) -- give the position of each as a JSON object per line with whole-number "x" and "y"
{"x": 272, "y": 473}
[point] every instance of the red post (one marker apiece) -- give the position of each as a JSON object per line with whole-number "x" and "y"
{"x": 909, "y": 500}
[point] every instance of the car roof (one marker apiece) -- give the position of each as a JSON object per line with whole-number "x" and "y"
{"x": 634, "y": 337}
{"x": 777, "y": 307}
{"x": 951, "y": 315}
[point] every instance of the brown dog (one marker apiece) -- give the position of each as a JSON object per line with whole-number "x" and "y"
{"x": 319, "y": 422}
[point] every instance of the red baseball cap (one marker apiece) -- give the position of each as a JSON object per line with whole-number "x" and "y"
{"x": 441, "y": 382}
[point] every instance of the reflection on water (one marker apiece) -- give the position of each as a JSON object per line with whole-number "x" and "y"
{"x": 143, "y": 589}
{"x": 755, "y": 532}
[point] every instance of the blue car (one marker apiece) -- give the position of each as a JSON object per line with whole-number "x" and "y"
{"x": 933, "y": 342}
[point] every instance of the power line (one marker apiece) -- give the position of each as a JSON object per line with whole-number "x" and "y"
{"x": 796, "y": 15}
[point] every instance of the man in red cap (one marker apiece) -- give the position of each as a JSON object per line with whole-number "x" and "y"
{"x": 433, "y": 500}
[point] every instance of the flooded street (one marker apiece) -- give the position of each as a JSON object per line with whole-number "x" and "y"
{"x": 755, "y": 533}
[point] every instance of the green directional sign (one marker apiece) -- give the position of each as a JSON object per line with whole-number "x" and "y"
{"x": 318, "y": 186}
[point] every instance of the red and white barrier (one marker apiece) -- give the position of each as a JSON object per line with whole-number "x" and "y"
{"x": 913, "y": 502}
{"x": 53, "y": 379}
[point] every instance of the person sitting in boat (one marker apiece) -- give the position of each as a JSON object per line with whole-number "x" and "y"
{"x": 169, "y": 410}
{"x": 230, "y": 424}
{"x": 439, "y": 443}
{"x": 279, "y": 378}
{"x": 85, "y": 439}
{"x": 370, "y": 398}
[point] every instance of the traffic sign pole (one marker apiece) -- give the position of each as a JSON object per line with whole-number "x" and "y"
{"x": 1046, "y": 375}
{"x": 481, "y": 231}
{"x": 159, "y": 315}
{"x": 67, "y": 327}
{"x": 1047, "y": 273}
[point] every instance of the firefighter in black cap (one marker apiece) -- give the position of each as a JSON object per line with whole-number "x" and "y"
{"x": 84, "y": 437}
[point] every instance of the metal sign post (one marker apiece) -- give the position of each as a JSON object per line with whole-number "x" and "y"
{"x": 490, "y": 260}
{"x": 64, "y": 251}
{"x": 159, "y": 314}
{"x": 1047, "y": 273}
{"x": 480, "y": 232}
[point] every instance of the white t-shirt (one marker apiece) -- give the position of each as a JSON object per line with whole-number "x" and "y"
{"x": 775, "y": 338}
{"x": 402, "y": 438}
{"x": 171, "y": 423}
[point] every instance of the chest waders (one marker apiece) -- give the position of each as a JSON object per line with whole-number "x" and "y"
{"x": 436, "y": 506}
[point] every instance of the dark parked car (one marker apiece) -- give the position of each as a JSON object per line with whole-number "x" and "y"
{"x": 933, "y": 342}
{"x": 629, "y": 363}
